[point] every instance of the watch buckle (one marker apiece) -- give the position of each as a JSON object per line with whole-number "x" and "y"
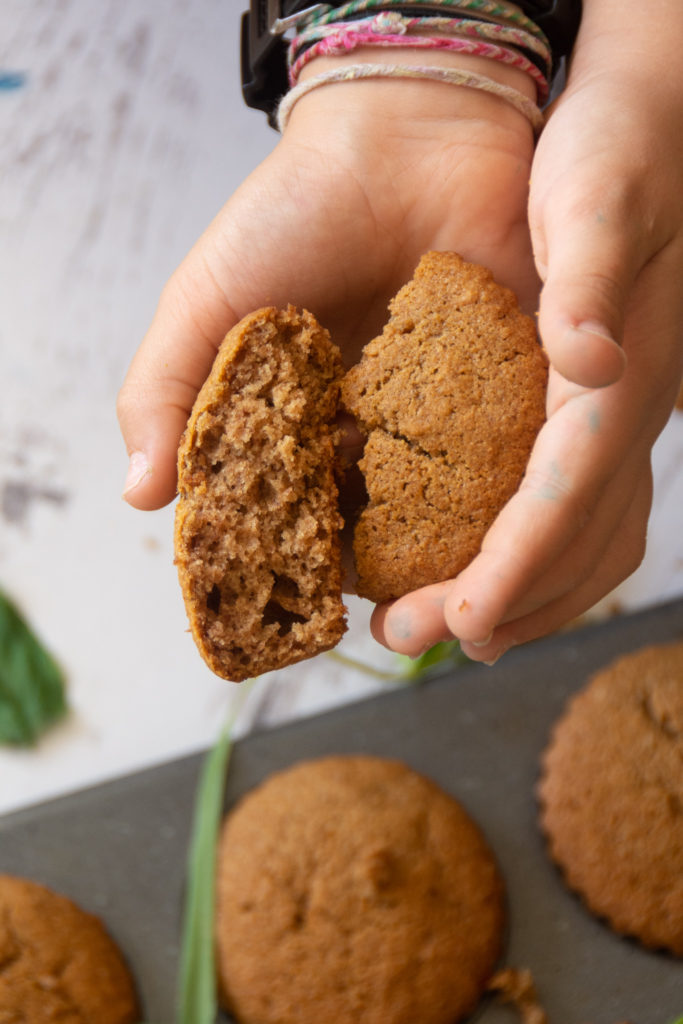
{"x": 279, "y": 25}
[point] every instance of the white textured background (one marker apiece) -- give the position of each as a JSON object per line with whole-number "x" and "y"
{"x": 126, "y": 138}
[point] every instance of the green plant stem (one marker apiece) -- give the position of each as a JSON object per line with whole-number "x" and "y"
{"x": 197, "y": 1001}
{"x": 361, "y": 666}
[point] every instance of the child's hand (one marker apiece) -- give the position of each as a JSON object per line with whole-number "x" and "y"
{"x": 606, "y": 215}
{"x": 367, "y": 177}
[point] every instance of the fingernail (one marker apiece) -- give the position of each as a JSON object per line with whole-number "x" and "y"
{"x": 432, "y": 643}
{"x": 590, "y": 327}
{"x": 138, "y": 469}
{"x": 496, "y": 657}
{"x": 599, "y": 331}
{"x": 482, "y": 643}
{"x": 423, "y": 650}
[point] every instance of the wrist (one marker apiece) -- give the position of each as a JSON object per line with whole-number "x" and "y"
{"x": 402, "y": 142}
{"x": 614, "y": 41}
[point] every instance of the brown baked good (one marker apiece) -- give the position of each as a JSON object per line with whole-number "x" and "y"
{"x": 351, "y": 889}
{"x": 515, "y": 986}
{"x": 257, "y": 523}
{"x": 611, "y": 795}
{"x": 57, "y": 962}
{"x": 452, "y": 396}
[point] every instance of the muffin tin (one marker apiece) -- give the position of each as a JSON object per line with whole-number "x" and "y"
{"x": 120, "y": 849}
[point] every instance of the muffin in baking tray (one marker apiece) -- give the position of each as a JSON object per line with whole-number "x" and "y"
{"x": 57, "y": 962}
{"x": 352, "y": 889}
{"x": 451, "y": 396}
{"x": 611, "y": 795}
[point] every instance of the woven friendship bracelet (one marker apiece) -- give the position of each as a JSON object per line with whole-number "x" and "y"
{"x": 344, "y": 41}
{"x": 451, "y": 76}
{"x": 392, "y": 21}
{"x": 497, "y": 10}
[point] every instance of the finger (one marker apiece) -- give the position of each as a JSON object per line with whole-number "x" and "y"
{"x": 414, "y": 623}
{"x": 590, "y": 248}
{"x": 608, "y": 428}
{"x": 163, "y": 380}
{"x": 564, "y": 477}
{"x": 576, "y": 563}
{"x": 418, "y": 621}
{"x": 530, "y": 533}
{"x": 568, "y": 472}
{"x": 621, "y": 558}
{"x": 571, "y": 465}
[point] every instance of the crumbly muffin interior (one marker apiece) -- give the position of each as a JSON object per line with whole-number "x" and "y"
{"x": 257, "y": 528}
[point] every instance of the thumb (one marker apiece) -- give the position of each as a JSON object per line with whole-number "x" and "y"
{"x": 165, "y": 375}
{"x": 588, "y": 260}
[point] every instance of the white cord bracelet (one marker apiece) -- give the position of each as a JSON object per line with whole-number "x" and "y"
{"x": 452, "y": 76}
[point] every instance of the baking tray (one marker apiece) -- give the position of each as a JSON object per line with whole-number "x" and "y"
{"x": 119, "y": 849}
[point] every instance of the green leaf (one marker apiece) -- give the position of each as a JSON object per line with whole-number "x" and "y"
{"x": 197, "y": 1003}
{"x": 31, "y": 682}
{"x": 448, "y": 653}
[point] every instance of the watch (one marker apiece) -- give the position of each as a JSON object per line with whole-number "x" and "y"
{"x": 263, "y": 51}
